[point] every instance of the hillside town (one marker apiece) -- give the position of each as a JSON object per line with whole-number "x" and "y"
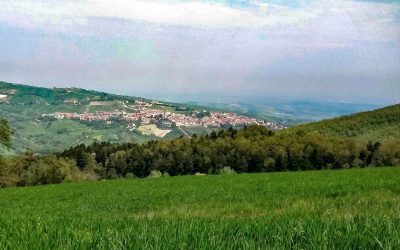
{"x": 143, "y": 113}
{"x": 3, "y": 97}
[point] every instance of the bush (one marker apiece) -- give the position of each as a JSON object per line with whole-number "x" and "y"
{"x": 155, "y": 174}
{"x": 346, "y": 166}
{"x": 227, "y": 170}
{"x": 357, "y": 163}
{"x": 269, "y": 164}
{"x": 7, "y": 178}
{"x": 130, "y": 176}
{"x": 50, "y": 170}
{"x": 112, "y": 174}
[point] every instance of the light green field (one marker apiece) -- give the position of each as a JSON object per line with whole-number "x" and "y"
{"x": 153, "y": 130}
{"x": 348, "y": 209}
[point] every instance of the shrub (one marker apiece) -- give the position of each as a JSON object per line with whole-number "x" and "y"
{"x": 227, "y": 170}
{"x": 155, "y": 174}
{"x": 346, "y": 166}
{"x": 50, "y": 170}
{"x": 357, "y": 163}
{"x": 166, "y": 174}
{"x": 7, "y": 178}
{"x": 269, "y": 164}
{"x": 90, "y": 175}
{"x": 130, "y": 176}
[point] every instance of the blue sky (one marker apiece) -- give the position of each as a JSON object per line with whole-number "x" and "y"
{"x": 338, "y": 51}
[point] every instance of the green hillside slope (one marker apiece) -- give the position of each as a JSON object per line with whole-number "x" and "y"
{"x": 377, "y": 125}
{"x": 351, "y": 209}
{"x": 24, "y": 107}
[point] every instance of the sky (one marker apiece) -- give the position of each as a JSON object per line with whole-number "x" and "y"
{"x": 239, "y": 50}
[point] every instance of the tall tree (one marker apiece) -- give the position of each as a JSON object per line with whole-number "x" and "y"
{"x": 5, "y": 133}
{"x": 5, "y": 140}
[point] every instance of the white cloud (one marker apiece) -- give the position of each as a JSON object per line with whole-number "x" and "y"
{"x": 201, "y": 45}
{"x": 195, "y": 14}
{"x": 330, "y": 23}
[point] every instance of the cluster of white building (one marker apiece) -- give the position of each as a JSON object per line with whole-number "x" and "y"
{"x": 98, "y": 116}
{"x": 3, "y": 97}
{"x": 146, "y": 115}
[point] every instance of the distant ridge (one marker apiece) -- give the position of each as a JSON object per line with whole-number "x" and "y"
{"x": 379, "y": 124}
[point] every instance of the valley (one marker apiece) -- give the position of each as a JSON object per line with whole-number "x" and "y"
{"x": 48, "y": 120}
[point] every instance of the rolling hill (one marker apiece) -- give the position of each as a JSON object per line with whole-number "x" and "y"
{"x": 47, "y": 120}
{"x": 26, "y": 108}
{"x": 377, "y": 125}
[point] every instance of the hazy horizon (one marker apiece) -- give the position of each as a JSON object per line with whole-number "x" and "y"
{"x": 329, "y": 51}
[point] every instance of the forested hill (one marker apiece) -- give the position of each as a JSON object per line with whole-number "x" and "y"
{"x": 249, "y": 149}
{"x": 376, "y": 125}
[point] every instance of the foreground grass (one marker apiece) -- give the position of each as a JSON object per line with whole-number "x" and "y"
{"x": 326, "y": 209}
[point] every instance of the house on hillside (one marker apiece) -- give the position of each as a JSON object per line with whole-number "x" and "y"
{"x": 3, "y": 98}
{"x": 72, "y": 102}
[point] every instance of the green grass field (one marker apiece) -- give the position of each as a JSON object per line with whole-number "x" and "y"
{"x": 358, "y": 209}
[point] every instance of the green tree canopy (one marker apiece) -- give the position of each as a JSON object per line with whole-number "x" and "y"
{"x": 5, "y": 133}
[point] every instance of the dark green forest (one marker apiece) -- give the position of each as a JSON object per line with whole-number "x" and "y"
{"x": 251, "y": 149}
{"x": 248, "y": 150}
{"x": 332, "y": 144}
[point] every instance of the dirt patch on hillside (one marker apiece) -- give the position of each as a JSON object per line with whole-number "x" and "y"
{"x": 153, "y": 130}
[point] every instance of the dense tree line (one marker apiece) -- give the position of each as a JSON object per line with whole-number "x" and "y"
{"x": 251, "y": 149}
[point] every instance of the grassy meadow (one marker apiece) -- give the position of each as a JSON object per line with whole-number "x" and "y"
{"x": 356, "y": 208}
